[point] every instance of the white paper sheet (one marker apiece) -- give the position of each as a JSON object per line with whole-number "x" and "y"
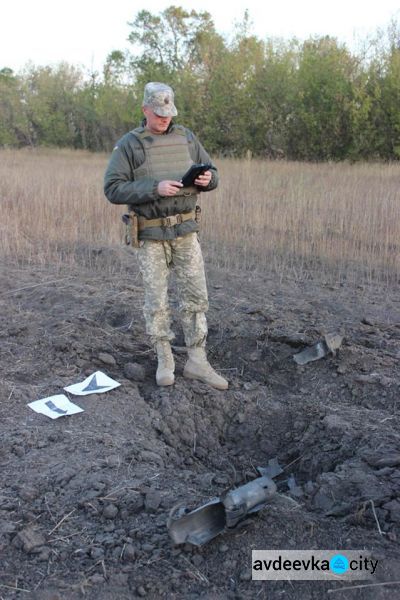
{"x": 55, "y": 406}
{"x": 98, "y": 383}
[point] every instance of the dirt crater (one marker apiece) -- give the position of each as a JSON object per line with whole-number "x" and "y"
{"x": 85, "y": 500}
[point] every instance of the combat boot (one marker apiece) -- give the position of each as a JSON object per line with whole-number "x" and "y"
{"x": 166, "y": 364}
{"x": 198, "y": 367}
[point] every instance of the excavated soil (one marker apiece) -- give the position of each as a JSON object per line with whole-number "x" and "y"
{"x": 85, "y": 499}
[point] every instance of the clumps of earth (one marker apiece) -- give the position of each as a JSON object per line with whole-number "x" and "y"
{"x": 85, "y": 499}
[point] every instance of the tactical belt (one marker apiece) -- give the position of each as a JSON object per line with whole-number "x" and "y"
{"x": 166, "y": 221}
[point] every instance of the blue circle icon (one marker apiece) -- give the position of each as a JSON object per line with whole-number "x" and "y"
{"x": 339, "y": 564}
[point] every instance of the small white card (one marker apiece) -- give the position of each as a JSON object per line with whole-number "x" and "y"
{"x": 98, "y": 383}
{"x": 55, "y": 406}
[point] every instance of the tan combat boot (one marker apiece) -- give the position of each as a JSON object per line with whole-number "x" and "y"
{"x": 198, "y": 367}
{"x": 166, "y": 364}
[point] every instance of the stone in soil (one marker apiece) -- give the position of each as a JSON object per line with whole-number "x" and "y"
{"x": 107, "y": 359}
{"x": 30, "y": 539}
{"x": 110, "y": 511}
{"x": 134, "y": 371}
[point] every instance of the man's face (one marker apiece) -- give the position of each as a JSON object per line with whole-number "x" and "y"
{"x": 155, "y": 123}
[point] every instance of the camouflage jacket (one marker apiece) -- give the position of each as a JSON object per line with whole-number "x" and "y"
{"x": 141, "y": 195}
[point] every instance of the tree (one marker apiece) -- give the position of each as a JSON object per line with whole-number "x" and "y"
{"x": 169, "y": 39}
{"x": 376, "y": 114}
{"x": 320, "y": 124}
{"x": 50, "y": 101}
{"x": 116, "y": 68}
{"x": 14, "y": 123}
{"x": 306, "y": 101}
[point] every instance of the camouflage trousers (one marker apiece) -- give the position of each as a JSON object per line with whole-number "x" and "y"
{"x": 156, "y": 260}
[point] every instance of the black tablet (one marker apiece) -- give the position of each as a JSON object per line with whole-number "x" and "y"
{"x": 194, "y": 171}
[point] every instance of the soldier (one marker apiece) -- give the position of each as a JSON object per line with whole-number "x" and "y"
{"x": 144, "y": 172}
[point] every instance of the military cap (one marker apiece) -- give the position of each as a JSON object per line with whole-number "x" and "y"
{"x": 160, "y": 98}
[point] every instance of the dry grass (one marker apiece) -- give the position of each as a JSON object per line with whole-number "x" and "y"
{"x": 330, "y": 221}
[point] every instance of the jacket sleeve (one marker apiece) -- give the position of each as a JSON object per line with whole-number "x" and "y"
{"x": 119, "y": 185}
{"x": 199, "y": 155}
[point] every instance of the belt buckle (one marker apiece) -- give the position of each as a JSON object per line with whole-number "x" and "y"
{"x": 167, "y": 222}
{"x": 172, "y": 220}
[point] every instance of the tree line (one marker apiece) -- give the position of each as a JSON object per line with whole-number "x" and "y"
{"x": 310, "y": 100}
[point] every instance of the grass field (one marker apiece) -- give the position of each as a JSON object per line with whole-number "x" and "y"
{"x": 327, "y": 221}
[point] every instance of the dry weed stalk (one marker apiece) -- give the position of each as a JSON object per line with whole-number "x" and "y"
{"x": 330, "y": 221}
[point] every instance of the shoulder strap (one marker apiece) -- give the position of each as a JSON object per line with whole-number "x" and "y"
{"x": 140, "y": 136}
{"x": 137, "y": 130}
{"x": 180, "y": 130}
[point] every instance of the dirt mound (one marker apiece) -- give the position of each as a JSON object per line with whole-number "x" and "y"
{"x": 85, "y": 499}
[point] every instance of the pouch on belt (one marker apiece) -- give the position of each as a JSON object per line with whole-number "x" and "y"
{"x": 131, "y": 229}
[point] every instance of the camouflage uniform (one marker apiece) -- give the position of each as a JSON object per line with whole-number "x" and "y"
{"x": 155, "y": 260}
{"x": 139, "y": 161}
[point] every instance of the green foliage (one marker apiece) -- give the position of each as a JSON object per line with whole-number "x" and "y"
{"x": 14, "y": 123}
{"x": 49, "y": 97}
{"x": 304, "y": 101}
{"x": 320, "y": 124}
{"x": 170, "y": 39}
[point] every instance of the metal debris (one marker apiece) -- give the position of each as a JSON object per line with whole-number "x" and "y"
{"x": 294, "y": 489}
{"x": 329, "y": 345}
{"x": 206, "y": 522}
{"x": 247, "y": 499}
{"x": 273, "y": 470}
{"x": 198, "y": 526}
{"x": 333, "y": 341}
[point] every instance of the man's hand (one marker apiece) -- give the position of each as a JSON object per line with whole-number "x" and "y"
{"x": 168, "y": 187}
{"x": 204, "y": 179}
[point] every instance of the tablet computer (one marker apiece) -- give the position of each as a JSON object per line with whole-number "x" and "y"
{"x": 193, "y": 172}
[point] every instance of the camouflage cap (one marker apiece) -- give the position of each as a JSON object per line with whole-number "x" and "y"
{"x": 160, "y": 98}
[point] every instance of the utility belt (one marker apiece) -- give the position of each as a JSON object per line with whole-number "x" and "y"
{"x": 134, "y": 224}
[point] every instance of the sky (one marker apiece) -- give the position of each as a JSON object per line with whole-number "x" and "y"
{"x": 84, "y": 32}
